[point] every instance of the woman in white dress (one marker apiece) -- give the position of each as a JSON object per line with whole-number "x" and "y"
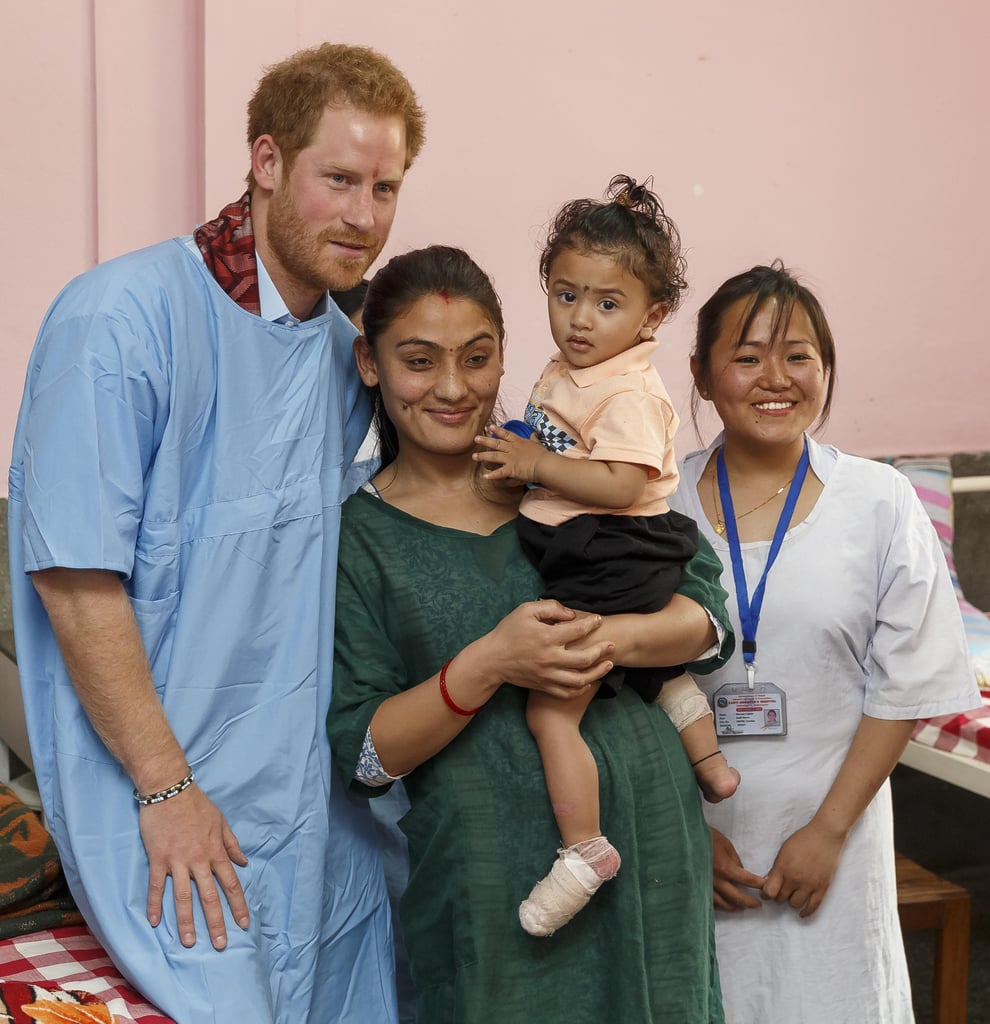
{"x": 854, "y": 634}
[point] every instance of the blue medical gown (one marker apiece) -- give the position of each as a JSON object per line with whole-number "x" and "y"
{"x": 201, "y": 453}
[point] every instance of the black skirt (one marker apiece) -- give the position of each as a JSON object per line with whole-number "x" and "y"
{"x": 611, "y": 564}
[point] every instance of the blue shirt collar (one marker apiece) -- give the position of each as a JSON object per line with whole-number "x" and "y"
{"x": 273, "y": 307}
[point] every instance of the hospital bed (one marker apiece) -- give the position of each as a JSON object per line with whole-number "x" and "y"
{"x": 954, "y": 748}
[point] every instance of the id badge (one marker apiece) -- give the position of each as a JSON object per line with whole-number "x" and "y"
{"x": 743, "y": 710}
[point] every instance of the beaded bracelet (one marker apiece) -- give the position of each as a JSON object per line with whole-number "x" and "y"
{"x": 447, "y": 698}
{"x": 165, "y": 794}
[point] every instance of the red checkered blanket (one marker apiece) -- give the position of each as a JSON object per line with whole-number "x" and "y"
{"x": 64, "y": 976}
{"x": 967, "y": 734}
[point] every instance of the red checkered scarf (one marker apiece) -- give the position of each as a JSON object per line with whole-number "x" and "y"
{"x": 227, "y": 245}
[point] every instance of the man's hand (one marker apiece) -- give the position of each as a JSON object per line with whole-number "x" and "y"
{"x": 731, "y": 878}
{"x": 188, "y": 838}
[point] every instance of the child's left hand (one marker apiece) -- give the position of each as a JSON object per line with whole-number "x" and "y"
{"x": 513, "y": 457}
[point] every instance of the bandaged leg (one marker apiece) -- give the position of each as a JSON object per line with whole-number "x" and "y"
{"x": 576, "y": 875}
{"x": 683, "y": 701}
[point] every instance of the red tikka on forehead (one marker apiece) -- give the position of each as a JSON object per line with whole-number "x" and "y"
{"x": 445, "y": 295}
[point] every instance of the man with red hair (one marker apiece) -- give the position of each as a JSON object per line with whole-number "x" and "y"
{"x": 188, "y": 419}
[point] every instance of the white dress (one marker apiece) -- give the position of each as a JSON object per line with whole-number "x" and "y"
{"x": 859, "y": 617}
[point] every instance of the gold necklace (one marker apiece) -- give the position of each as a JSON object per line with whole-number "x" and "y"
{"x": 720, "y": 522}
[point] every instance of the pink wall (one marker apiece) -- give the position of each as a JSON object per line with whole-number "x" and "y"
{"x": 848, "y": 139}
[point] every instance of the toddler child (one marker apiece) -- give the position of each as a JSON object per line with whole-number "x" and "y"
{"x": 595, "y": 520}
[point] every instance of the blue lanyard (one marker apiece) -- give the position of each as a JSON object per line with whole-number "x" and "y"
{"x": 749, "y": 612}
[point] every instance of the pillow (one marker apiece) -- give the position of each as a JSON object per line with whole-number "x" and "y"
{"x": 931, "y": 478}
{"x": 932, "y": 481}
{"x": 33, "y": 892}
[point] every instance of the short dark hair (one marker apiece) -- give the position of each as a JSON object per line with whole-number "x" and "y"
{"x": 403, "y": 281}
{"x": 762, "y": 285}
{"x": 631, "y": 226}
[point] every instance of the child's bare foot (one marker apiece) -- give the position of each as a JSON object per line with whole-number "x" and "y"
{"x": 716, "y": 777}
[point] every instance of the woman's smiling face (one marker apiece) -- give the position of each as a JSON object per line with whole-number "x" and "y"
{"x": 438, "y": 367}
{"x": 769, "y": 386}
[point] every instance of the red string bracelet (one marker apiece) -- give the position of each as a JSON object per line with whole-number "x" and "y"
{"x": 447, "y": 698}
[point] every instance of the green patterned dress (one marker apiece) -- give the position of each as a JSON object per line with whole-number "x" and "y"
{"x": 480, "y": 829}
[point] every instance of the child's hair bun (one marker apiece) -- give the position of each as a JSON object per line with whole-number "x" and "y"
{"x": 624, "y": 191}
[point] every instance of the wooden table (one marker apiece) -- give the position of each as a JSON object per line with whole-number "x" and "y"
{"x": 926, "y": 901}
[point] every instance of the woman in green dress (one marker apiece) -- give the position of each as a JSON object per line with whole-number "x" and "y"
{"x": 438, "y": 638}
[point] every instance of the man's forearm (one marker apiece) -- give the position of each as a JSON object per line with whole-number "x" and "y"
{"x": 186, "y": 838}
{"x": 99, "y": 639}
